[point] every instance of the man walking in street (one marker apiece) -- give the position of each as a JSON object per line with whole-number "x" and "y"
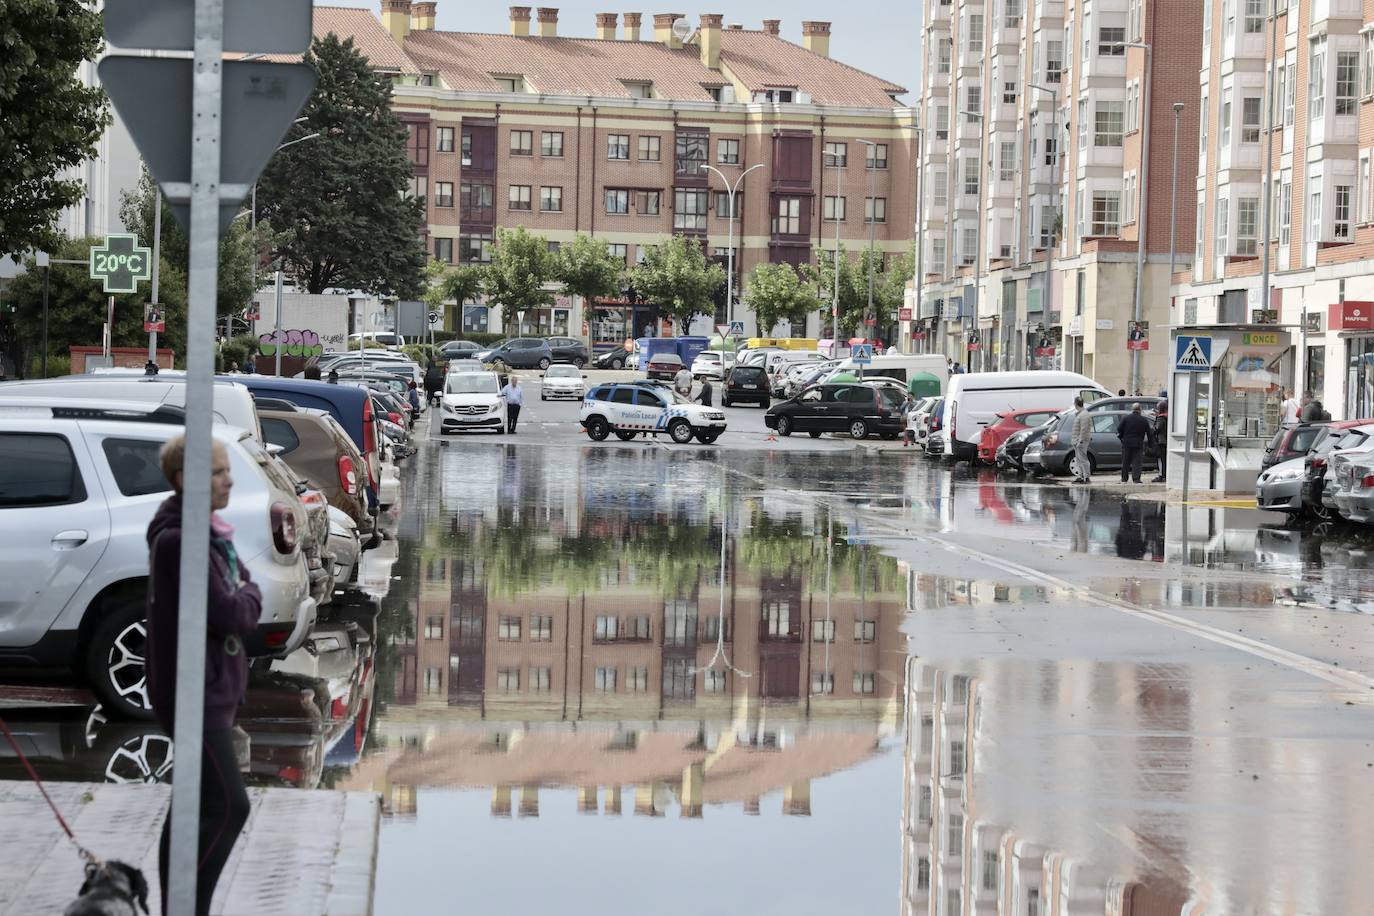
{"x": 1161, "y": 437}
{"x": 704, "y": 398}
{"x": 682, "y": 382}
{"x": 1082, "y": 435}
{"x": 515, "y": 399}
{"x": 1133, "y": 431}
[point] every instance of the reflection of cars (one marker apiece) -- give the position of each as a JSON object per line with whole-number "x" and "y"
{"x": 1007, "y": 423}
{"x": 748, "y": 384}
{"x": 1104, "y": 448}
{"x": 630, "y": 410}
{"x": 79, "y": 483}
{"x": 562, "y": 381}
{"x": 857, "y": 409}
{"x": 518, "y": 353}
{"x": 664, "y": 366}
{"x": 1279, "y": 487}
{"x": 471, "y": 400}
{"x": 568, "y": 350}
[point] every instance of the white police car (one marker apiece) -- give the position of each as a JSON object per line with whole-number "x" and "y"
{"x": 629, "y": 410}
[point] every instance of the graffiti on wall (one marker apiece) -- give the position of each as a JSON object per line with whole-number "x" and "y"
{"x": 301, "y": 344}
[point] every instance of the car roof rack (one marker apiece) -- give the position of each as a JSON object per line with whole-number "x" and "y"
{"x": 275, "y": 404}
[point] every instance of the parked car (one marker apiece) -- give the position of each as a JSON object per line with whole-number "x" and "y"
{"x": 1011, "y": 453}
{"x": 1335, "y": 437}
{"x": 617, "y": 358}
{"x": 1104, "y": 449}
{"x": 1279, "y": 486}
{"x": 664, "y": 366}
{"x": 459, "y": 349}
{"x": 1340, "y": 471}
{"x": 562, "y": 380}
{"x": 925, "y": 410}
{"x": 1355, "y": 498}
{"x": 79, "y": 482}
{"x": 472, "y": 400}
{"x": 711, "y": 364}
{"x": 569, "y": 350}
{"x": 1291, "y": 442}
{"x": 858, "y": 409}
{"x": 803, "y": 376}
{"x": 973, "y": 400}
{"x": 316, "y": 447}
{"x": 385, "y": 338}
{"x": 935, "y": 430}
{"x": 745, "y": 383}
{"x": 518, "y": 353}
{"x": 631, "y": 410}
{"x": 1007, "y": 423}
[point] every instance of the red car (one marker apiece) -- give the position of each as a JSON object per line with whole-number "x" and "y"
{"x": 1008, "y": 423}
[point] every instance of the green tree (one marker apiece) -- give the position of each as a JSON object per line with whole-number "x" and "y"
{"x": 677, "y": 278}
{"x": 77, "y": 305}
{"x": 49, "y": 121}
{"x": 339, "y": 201}
{"x": 853, "y": 286}
{"x": 451, "y": 284}
{"x": 235, "y": 248}
{"x": 520, "y": 268}
{"x": 586, "y": 268}
{"x": 775, "y": 293}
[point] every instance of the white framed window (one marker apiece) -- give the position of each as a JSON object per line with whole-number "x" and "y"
{"x": 618, "y": 146}
{"x": 1290, "y": 91}
{"x": 1009, "y": 92}
{"x": 971, "y": 175}
{"x": 1367, "y": 63}
{"x": 1228, "y": 19}
{"x": 1254, "y": 17}
{"x": 943, "y": 55}
{"x": 941, "y": 122}
{"x": 968, "y": 252}
{"x": 865, "y": 630}
{"x": 837, "y": 154}
{"x": 1054, "y": 61}
{"x": 1128, "y": 198}
{"x": 973, "y": 102}
{"x": 607, "y": 629}
{"x": 1250, "y": 108}
{"x": 1047, "y": 218}
{"x": 1316, "y": 78}
{"x": 1202, "y": 126}
{"x": 1247, "y": 225}
{"x": 1314, "y": 223}
{"x": 822, "y": 683}
{"x": 1132, "y": 106}
{"x": 508, "y": 679}
{"x": 1134, "y": 19}
{"x": 1219, "y": 226}
{"x": 1108, "y": 123}
{"x": 875, "y": 209}
{"x": 1111, "y": 41}
{"x": 864, "y": 682}
{"x": 1225, "y": 119}
{"x": 1364, "y": 188}
{"x": 1347, "y": 81}
{"x": 1051, "y": 150}
{"x": 1198, "y": 235}
{"x": 1006, "y": 161}
{"x": 1285, "y": 212}
{"x": 727, "y": 152}
{"x": 939, "y": 188}
{"x": 1340, "y": 215}
{"x": 937, "y": 254}
{"x": 1011, "y": 12}
{"x": 822, "y": 631}
{"x": 833, "y": 209}
{"x": 1082, "y": 125}
{"x": 605, "y": 679}
{"x": 975, "y": 33}
{"x": 1106, "y": 216}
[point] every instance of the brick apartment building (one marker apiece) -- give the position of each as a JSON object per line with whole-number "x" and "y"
{"x": 1055, "y": 101}
{"x": 611, "y": 136}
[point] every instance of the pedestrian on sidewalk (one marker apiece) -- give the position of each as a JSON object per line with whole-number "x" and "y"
{"x": 909, "y": 422}
{"x": 1311, "y": 408}
{"x": 1082, "y": 435}
{"x": 682, "y": 382}
{"x": 704, "y": 397}
{"x": 232, "y": 610}
{"x": 434, "y": 382}
{"x": 1135, "y": 432}
{"x": 1161, "y": 439}
{"x": 1290, "y": 409}
{"x": 515, "y": 399}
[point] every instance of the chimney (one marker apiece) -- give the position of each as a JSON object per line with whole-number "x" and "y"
{"x": 396, "y": 19}
{"x": 633, "y": 22}
{"x": 422, "y": 16}
{"x": 520, "y": 21}
{"x": 605, "y": 26}
{"x": 663, "y": 29}
{"x": 772, "y": 27}
{"x": 709, "y": 40}
{"x": 548, "y": 22}
{"x": 816, "y": 37}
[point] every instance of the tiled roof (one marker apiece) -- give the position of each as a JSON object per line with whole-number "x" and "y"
{"x": 760, "y": 60}
{"x": 367, "y": 33}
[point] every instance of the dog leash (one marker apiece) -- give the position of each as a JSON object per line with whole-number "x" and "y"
{"x": 92, "y": 860}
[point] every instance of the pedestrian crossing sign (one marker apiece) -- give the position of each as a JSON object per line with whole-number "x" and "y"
{"x": 861, "y": 354}
{"x": 1193, "y": 354}
{"x": 737, "y": 329}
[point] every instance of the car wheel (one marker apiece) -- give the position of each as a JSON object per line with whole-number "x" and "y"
{"x": 624, "y": 435}
{"x": 814, "y": 433}
{"x": 707, "y": 436}
{"x": 784, "y": 426}
{"x": 724, "y": 401}
{"x": 681, "y": 431}
{"x": 543, "y": 362}
{"x": 1320, "y": 512}
{"x": 115, "y": 659}
{"x": 618, "y": 363}
{"x": 858, "y": 430}
{"x": 1072, "y": 465}
{"x": 543, "y": 396}
{"x": 597, "y": 428}
{"x": 579, "y": 362}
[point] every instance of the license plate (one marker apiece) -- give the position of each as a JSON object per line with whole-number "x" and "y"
{"x": 751, "y": 387}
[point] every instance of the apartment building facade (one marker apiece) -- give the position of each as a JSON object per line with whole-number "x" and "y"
{"x": 1037, "y": 177}
{"x": 631, "y": 138}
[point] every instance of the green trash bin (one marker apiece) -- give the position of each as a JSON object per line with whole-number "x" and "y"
{"x": 923, "y": 385}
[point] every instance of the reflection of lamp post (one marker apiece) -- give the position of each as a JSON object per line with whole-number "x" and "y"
{"x": 720, "y": 655}
{"x": 730, "y": 190}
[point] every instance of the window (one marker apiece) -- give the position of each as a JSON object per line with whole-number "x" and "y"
{"x": 417, "y": 143}
{"x": 620, "y": 251}
{"x": 1316, "y": 78}
{"x": 1054, "y": 61}
{"x": 689, "y": 209}
{"x": 969, "y": 250}
{"x": 865, "y": 630}
{"x": 875, "y": 209}
{"x": 1247, "y": 225}
{"x": 443, "y": 139}
{"x": 1220, "y": 227}
{"x": 649, "y": 148}
{"x": 508, "y": 679}
{"x": 943, "y": 54}
{"x": 864, "y": 683}
{"x": 618, "y": 146}
{"x": 822, "y": 683}
{"x": 476, "y": 201}
{"x": 971, "y": 175}
{"x": 1006, "y": 161}
{"x": 937, "y": 254}
{"x": 973, "y": 103}
{"x": 1107, "y": 126}
{"x": 714, "y": 680}
{"x": 776, "y": 94}
{"x": 1202, "y": 127}
{"x": 1254, "y": 17}
{"x": 1314, "y": 219}
{"x": 551, "y": 143}
{"x": 990, "y": 869}
{"x": 1347, "y": 77}
{"x": 433, "y": 680}
{"x": 1009, "y": 92}
{"x": 1134, "y": 18}
{"x": 975, "y": 33}
{"x": 923, "y": 875}
{"x": 939, "y": 190}
{"x": 723, "y": 205}
{"x": 777, "y": 615}
{"x": 837, "y": 154}
{"x": 133, "y": 462}
{"x": 787, "y": 218}
{"x": 419, "y": 187}
{"x": 1225, "y": 119}
{"x": 605, "y": 679}
{"x": 639, "y": 626}
{"x": 822, "y": 631}
{"x": 540, "y": 679}
{"x": 639, "y": 89}
{"x": 608, "y": 628}
{"x": 467, "y": 149}
{"x": 1111, "y": 41}
{"x": 1290, "y": 94}
{"x": 1128, "y": 197}
{"x": 833, "y": 209}
{"x": 1051, "y": 151}
{"x": 443, "y": 250}
{"x": 637, "y": 679}
{"x": 509, "y": 83}
{"x": 1250, "y": 119}
{"x": 875, "y": 156}
{"x": 1367, "y": 63}
{"x": 1082, "y": 125}
{"x": 1340, "y": 228}
{"x": 1047, "y": 218}
{"x": 1012, "y": 12}
{"x": 508, "y": 629}
{"x": 551, "y": 200}
{"x": 1364, "y": 188}
{"x": 1132, "y": 106}
{"x": 617, "y": 202}
{"x": 541, "y": 629}
{"x": 519, "y": 197}
{"x": 475, "y": 249}
{"x": 942, "y": 122}
{"x": 443, "y": 194}
{"x": 522, "y": 143}
{"x": 1106, "y": 213}
{"x": 727, "y": 152}
{"x": 691, "y": 152}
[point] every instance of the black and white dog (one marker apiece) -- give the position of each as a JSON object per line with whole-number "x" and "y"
{"x": 111, "y": 889}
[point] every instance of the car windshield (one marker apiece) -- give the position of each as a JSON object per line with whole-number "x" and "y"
{"x": 472, "y": 383}
{"x": 709, "y": 357}
{"x": 562, "y": 372}
{"x": 666, "y": 358}
{"x": 750, "y": 372}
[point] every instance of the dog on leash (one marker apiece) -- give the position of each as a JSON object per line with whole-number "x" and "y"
{"x": 111, "y": 889}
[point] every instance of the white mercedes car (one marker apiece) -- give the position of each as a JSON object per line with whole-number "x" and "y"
{"x": 630, "y": 410}
{"x": 472, "y": 400}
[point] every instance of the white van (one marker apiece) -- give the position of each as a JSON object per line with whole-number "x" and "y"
{"x": 901, "y": 367}
{"x": 973, "y": 401}
{"x": 234, "y": 403}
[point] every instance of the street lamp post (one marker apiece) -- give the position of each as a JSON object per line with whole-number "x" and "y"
{"x": 919, "y": 188}
{"x": 41, "y": 259}
{"x": 157, "y": 264}
{"x": 1045, "y": 310}
{"x": 730, "y": 190}
{"x": 835, "y": 291}
{"x": 871, "y": 216}
{"x": 978, "y": 244}
{"x": 1142, "y": 207}
{"x": 1173, "y": 198}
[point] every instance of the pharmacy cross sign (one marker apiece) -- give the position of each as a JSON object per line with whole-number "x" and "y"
{"x": 121, "y": 263}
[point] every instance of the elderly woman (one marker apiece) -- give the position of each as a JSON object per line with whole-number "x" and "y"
{"x": 232, "y": 610}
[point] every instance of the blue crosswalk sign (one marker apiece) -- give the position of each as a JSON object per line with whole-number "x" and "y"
{"x": 1193, "y": 354}
{"x": 861, "y": 354}
{"x": 737, "y": 329}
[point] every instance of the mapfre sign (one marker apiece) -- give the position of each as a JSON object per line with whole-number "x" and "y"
{"x": 1351, "y": 315}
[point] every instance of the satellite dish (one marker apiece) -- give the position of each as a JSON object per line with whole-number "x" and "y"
{"x": 682, "y": 29}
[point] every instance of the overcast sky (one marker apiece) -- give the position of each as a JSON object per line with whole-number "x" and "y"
{"x": 880, "y": 36}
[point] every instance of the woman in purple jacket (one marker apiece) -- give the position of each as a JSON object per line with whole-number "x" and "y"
{"x": 233, "y": 607}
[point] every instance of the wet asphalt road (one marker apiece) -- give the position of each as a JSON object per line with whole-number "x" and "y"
{"x": 781, "y": 679}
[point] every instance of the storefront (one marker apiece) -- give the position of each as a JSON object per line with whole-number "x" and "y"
{"x": 1355, "y": 323}
{"x": 612, "y": 321}
{"x": 550, "y": 321}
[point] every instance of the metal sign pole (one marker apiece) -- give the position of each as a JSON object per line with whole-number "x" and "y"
{"x": 208, "y": 84}
{"x": 280, "y": 342}
{"x": 1189, "y": 426}
{"x": 109, "y": 328}
{"x": 157, "y": 259}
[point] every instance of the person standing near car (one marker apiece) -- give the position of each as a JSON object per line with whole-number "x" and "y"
{"x": 232, "y": 610}
{"x": 1133, "y": 431}
{"x": 682, "y": 382}
{"x": 1290, "y": 409}
{"x": 1161, "y": 438}
{"x": 704, "y": 398}
{"x": 909, "y": 421}
{"x": 434, "y": 382}
{"x": 515, "y": 399}
{"x": 1082, "y": 436}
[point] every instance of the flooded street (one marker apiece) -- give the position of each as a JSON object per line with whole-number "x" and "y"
{"x": 839, "y": 682}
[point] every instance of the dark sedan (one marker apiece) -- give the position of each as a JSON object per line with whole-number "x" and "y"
{"x": 748, "y": 384}
{"x": 569, "y": 350}
{"x": 856, "y": 409}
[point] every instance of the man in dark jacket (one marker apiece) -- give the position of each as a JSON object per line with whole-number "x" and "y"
{"x": 704, "y": 398}
{"x": 1161, "y": 440}
{"x": 1133, "y": 431}
{"x": 434, "y": 382}
{"x": 232, "y": 610}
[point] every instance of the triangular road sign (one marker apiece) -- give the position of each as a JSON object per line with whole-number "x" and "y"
{"x": 153, "y": 96}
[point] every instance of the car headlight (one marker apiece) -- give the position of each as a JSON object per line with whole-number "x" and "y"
{"x": 1284, "y": 475}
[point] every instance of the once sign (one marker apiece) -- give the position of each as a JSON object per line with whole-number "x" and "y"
{"x": 120, "y": 263}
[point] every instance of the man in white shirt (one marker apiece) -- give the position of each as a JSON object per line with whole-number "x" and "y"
{"x": 514, "y": 399}
{"x": 1290, "y": 408}
{"x": 682, "y": 382}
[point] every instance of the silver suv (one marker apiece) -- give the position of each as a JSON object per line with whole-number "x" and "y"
{"x": 79, "y": 482}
